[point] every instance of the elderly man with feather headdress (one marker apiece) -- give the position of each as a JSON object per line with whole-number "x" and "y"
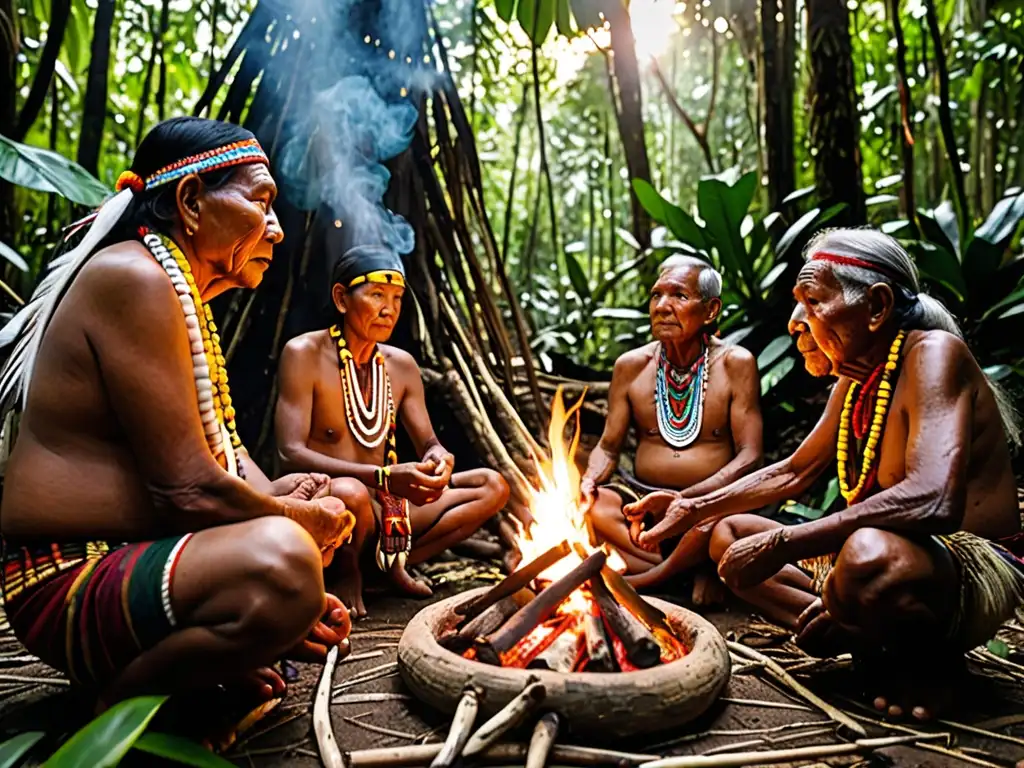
{"x": 343, "y": 391}
{"x": 923, "y": 563}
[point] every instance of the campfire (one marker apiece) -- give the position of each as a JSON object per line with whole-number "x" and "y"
{"x": 567, "y": 608}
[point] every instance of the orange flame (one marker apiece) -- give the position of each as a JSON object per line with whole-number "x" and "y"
{"x": 556, "y": 506}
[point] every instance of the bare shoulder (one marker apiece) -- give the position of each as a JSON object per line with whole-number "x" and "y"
{"x": 304, "y": 347}
{"x": 938, "y": 354}
{"x": 631, "y": 363}
{"x": 125, "y": 280}
{"x": 401, "y": 360}
{"x": 736, "y": 359}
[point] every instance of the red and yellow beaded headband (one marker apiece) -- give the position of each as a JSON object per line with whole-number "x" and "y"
{"x": 236, "y": 153}
{"x": 381, "y": 276}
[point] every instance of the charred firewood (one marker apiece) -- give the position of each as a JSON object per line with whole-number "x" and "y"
{"x": 599, "y": 655}
{"x": 562, "y": 654}
{"x": 486, "y": 622}
{"x": 641, "y": 648}
{"x": 514, "y": 582}
{"x": 489, "y": 649}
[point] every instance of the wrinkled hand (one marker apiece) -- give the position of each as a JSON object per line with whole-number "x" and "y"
{"x": 302, "y": 485}
{"x": 417, "y": 482}
{"x": 754, "y": 559}
{"x": 588, "y": 493}
{"x": 326, "y": 520}
{"x": 680, "y": 515}
{"x": 444, "y": 462}
{"x": 331, "y": 630}
{"x": 653, "y": 504}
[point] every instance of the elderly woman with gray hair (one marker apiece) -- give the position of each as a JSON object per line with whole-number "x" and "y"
{"x": 923, "y": 564}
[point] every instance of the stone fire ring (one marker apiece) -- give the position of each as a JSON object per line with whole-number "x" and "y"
{"x": 603, "y": 705}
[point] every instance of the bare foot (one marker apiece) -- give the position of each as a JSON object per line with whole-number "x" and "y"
{"x": 818, "y": 635}
{"x": 708, "y": 589}
{"x": 401, "y": 579}
{"x": 915, "y": 688}
{"x": 332, "y": 630}
{"x": 350, "y": 586}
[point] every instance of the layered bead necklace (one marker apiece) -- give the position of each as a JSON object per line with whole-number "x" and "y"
{"x": 370, "y": 423}
{"x": 679, "y": 394}
{"x": 877, "y": 388}
{"x": 208, "y": 364}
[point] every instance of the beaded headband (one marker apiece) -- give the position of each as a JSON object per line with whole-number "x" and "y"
{"x": 382, "y": 276}
{"x": 236, "y": 153}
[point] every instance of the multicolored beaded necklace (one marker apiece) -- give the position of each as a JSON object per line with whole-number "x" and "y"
{"x": 208, "y": 364}
{"x": 874, "y": 397}
{"x": 679, "y": 396}
{"x": 371, "y": 425}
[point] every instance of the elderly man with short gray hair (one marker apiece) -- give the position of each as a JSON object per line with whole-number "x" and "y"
{"x": 693, "y": 402}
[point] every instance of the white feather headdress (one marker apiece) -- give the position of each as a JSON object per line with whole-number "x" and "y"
{"x": 27, "y": 328}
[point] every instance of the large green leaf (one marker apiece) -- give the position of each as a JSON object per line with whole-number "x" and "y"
{"x": 675, "y": 218}
{"x": 723, "y": 209}
{"x": 937, "y": 263}
{"x": 180, "y": 750}
{"x": 12, "y": 256}
{"x": 536, "y": 18}
{"x": 1003, "y": 221}
{"x": 46, "y": 171}
{"x": 776, "y": 349}
{"x": 12, "y": 750}
{"x": 563, "y": 18}
{"x": 577, "y": 276}
{"x": 506, "y": 8}
{"x": 936, "y": 233}
{"x": 945, "y": 217}
{"x": 1015, "y": 298}
{"x": 104, "y": 741}
{"x": 791, "y": 235}
{"x": 777, "y": 373}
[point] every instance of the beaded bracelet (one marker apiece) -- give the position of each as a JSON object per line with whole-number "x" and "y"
{"x": 381, "y": 475}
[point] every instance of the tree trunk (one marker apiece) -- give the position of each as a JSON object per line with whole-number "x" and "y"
{"x": 905, "y": 132}
{"x": 777, "y": 75}
{"x": 628, "y": 103}
{"x": 161, "y": 91}
{"x": 834, "y": 122}
{"x": 59, "y": 12}
{"x": 94, "y": 111}
{"x": 9, "y": 44}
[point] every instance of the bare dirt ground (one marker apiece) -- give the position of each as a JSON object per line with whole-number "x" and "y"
{"x": 755, "y": 714}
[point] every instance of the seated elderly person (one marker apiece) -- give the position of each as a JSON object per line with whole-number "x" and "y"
{"x": 138, "y": 559}
{"x": 920, "y": 566}
{"x": 694, "y": 404}
{"x": 343, "y": 392}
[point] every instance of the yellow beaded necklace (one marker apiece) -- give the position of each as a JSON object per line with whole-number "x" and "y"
{"x": 877, "y": 424}
{"x": 211, "y": 348}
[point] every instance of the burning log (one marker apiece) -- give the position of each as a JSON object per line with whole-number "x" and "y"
{"x": 462, "y": 728}
{"x": 599, "y": 656}
{"x": 487, "y": 622}
{"x": 537, "y": 642}
{"x": 641, "y": 648}
{"x": 544, "y": 735}
{"x": 515, "y": 581}
{"x": 489, "y": 649}
{"x": 628, "y": 597}
{"x": 563, "y": 653}
{"x": 511, "y": 715}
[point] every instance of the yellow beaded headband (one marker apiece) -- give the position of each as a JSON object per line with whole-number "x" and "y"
{"x": 381, "y": 276}
{"x": 236, "y": 153}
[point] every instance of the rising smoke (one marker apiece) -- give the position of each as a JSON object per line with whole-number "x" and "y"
{"x": 358, "y": 68}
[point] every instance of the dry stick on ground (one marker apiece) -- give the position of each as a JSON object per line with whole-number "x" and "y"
{"x": 362, "y": 657}
{"x": 776, "y": 671}
{"x": 765, "y": 704}
{"x": 511, "y": 715}
{"x": 462, "y": 728}
{"x": 329, "y": 751}
{"x": 397, "y": 757}
{"x": 381, "y": 730}
{"x": 369, "y": 698}
{"x": 742, "y": 759}
{"x": 515, "y": 581}
{"x": 544, "y": 735}
{"x": 740, "y": 732}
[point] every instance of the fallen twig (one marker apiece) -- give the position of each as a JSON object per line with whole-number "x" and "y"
{"x": 543, "y": 739}
{"x": 380, "y": 729}
{"x": 368, "y": 676}
{"x": 776, "y": 671}
{"x": 369, "y": 698}
{"x": 507, "y": 718}
{"x": 397, "y": 757}
{"x": 742, "y": 759}
{"x": 361, "y": 656}
{"x": 38, "y": 680}
{"x": 739, "y": 732}
{"x": 461, "y": 730}
{"x": 978, "y": 731}
{"x": 330, "y": 754}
